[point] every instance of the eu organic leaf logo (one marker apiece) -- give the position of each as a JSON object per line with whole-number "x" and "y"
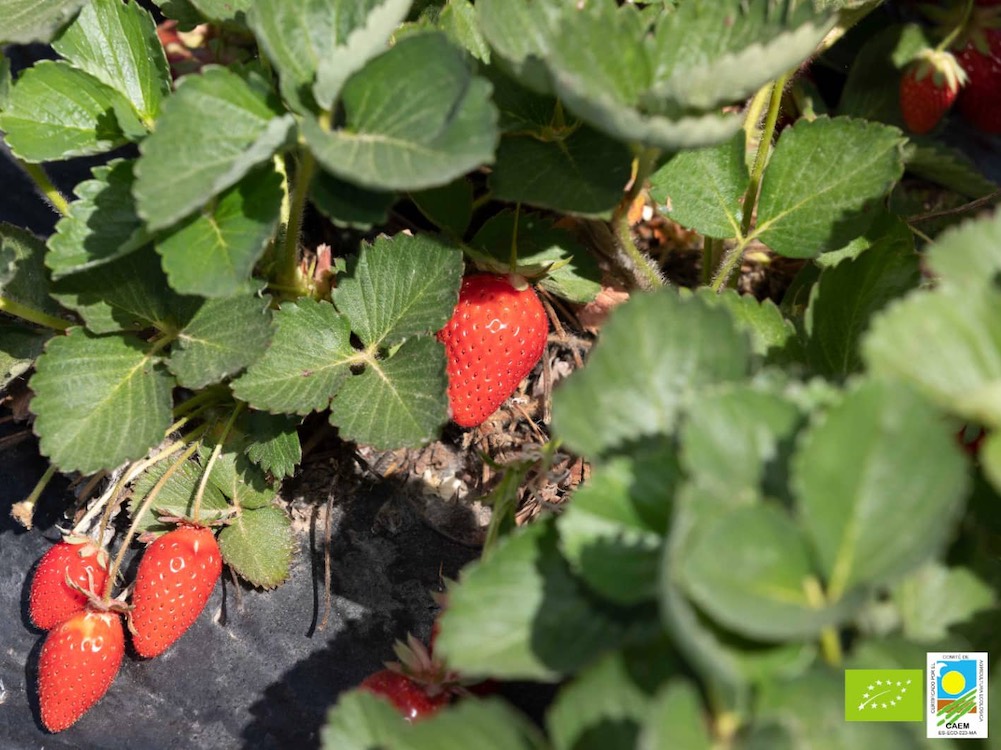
{"x": 883, "y": 695}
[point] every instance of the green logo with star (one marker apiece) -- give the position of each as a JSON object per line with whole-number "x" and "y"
{"x": 884, "y": 695}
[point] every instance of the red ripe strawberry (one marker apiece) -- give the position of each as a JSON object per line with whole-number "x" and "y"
{"x": 78, "y": 663}
{"x": 928, "y": 89}
{"x": 980, "y": 102}
{"x": 175, "y": 578}
{"x": 411, "y": 699}
{"x": 496, "y": 335}
{"x": 51, "y": 599}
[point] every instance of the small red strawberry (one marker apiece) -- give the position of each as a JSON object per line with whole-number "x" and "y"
{"x": 495, "y": 337}
{"x": 928, "y": 88}
{"x": 51, "y": 599}
{"x": 175, "y": 578}
{"x": 78, "y": 663}
{"x": 410, "y": 698}
{"x": 980, "y": 102}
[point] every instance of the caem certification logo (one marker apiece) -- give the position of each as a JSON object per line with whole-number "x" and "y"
{"x": 883, "y": 695}
{"x": 957, "y": 695}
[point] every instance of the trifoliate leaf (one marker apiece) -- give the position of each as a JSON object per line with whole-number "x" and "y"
{"x": 879, "y": 461}
{"x": 117, "y": 43}
{"x": 399, "y": 401}
{"x": 102, "y": 224}
{"x": 655, "y": 351}
{"x": 822, "y": 182}
{"x": 309, "y": 358}
{"x": 400, "y": 287}
{"x": 702, "y": 189}
{"x": 176, "y": 497}
{"x": 27, "y": 21}
{"x": 258, "y": 545}
{"x": 229, "y": 124}
{"x": 223, "y": 337}
{"x": 99, "y": 401}
{"x": 400, "y": 134}
{"x": 55, "y": 111}
{"x": 212, "y": 253}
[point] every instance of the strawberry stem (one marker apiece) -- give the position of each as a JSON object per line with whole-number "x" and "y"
{"x": 45, "y": 186}
{"x": 288, "y": 263}
{"x": 216, "y": 450}
{"x": 957, "y": 29}
{"x": 24, "y": 511}
{"x": 30, "y": 314}
{"x": 513, "y": 258}
{"x": 136, "y": 517}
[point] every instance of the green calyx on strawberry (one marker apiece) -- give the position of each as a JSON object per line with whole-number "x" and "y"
{"x": 928, "y": 88}
{"x": 495, "y": 337}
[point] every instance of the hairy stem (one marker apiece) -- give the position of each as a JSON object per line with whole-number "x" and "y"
{"x": 45, "y": 187}
{"x": 30, "y": 314}
{"x": 712, "y": 254}
{"x": 213, "y": 457}
{"x": 288, "y": 263}
{"x": 117, "y": 564}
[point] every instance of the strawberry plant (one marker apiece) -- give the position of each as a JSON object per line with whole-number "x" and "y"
{"x": 744, "y": 253}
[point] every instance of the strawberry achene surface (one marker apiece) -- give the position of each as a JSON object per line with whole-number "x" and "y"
{"x": 173, "y": 582}
{"x": 51, "y": 600}
{"x": 410, "y": 698}
{"x": 77, "y": 664}
{"x": 495, "y": 337}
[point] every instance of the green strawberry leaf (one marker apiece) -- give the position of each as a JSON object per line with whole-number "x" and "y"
{"x": 949, "y": 167}
{"x": 655, "y": 352}
{"x": 727, "y": 659}
{"x": 117, "y": 44}
{"x": 607, "y": 702}
{"x": 27, "y": 21}
{"x": 182, "y": 11}
{"x": 176, "y": 497}
{"x": 399, "y": 401}
{"x": 322, "y": 41}
{"x": 222, "y": 10}
{"x": 703, "y": 189}
{"x": 273, "y": 443}
{"x": 19, "y": 347}
{"x": 400, "y": 287}
{"x": 224, "y": 336}
{"x": 673, "y": 719}
{"x": 613, "y": 532}
{"x": 258, "y": 545}
{"x": 733, "y": 439}
{"x": 761, "y": 587}
{"x": 821, "y": 182}
{"x": 581, "y": 172}
{"x": 212, "y": 253}
{"x": 348, "y": 205}
{"x": 773, "y": 336}
{"x": 23, "y": 278}
{"x": 5, "y": 81}
{"x": 879, "y": 461}
{"x": 459, "y": 23}
{"x": 127, "y": 294}
{"x": 101, "y": 225}
{"x": 99, "y": 401}
{"x": 934, "y": 598}
{"x": 230, "y": 123}
{"x": 55, "y": 111}
{"x": 449, "y": 207}
{"x": 309, "y": 359}
{"x": 361, "y": 720}
{"x": 236, "y": 477}
{"x": 968, "y": 257}
{"x": 845, "y": 298}
{"x": 399, "y": 134}
{"x": 575, "y": 275}
{"x": 507, "y": 616}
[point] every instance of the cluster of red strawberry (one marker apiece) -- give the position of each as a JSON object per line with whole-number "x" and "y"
{"x": 495, "y": 337}
{"x": 70, "y": 597}
{"x": 969, "y": 76}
